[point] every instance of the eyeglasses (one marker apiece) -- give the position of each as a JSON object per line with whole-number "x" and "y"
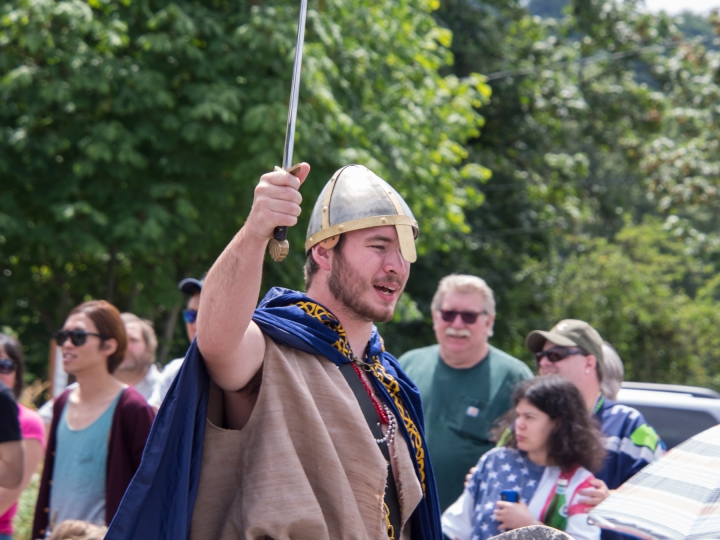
{"x": 189, "y": 315}
{"x": 468, "y": 317}
{"x": 7, "y": 366}
{"x": 555, "y": 354}
{"x": 77, "y": 337}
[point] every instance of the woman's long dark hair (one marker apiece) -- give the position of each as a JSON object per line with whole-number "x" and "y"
{"x": 13, "y": 349}
{"x": 576, "y": 439}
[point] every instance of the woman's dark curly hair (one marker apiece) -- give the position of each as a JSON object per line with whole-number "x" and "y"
{"x": 576, "y": 439}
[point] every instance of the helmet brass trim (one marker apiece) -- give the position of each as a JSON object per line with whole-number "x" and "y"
{"x": 362, "y": 223}
{"x": 397, "y": 214}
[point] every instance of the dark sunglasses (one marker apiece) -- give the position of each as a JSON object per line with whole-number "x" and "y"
{"x": 468, "y": 317}
{"x": 7, "y": 366}
{"x": 189, "y": 315}
{"x": 77, "y": 337}
{"x": 555, "y": 354}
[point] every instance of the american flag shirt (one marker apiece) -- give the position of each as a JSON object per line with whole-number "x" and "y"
{"x": 471, "y": 516}
{"x": 500, "y": 469}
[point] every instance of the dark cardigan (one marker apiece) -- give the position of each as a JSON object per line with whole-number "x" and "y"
{"x": 131, "y": 424}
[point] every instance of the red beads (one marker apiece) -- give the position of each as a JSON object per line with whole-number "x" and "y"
{"x": 378, "y": 408}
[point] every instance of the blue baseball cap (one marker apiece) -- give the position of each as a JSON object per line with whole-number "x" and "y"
{"x": 191, "y": 286}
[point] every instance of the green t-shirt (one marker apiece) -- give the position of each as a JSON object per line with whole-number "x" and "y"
{"x": 461, "y": 407}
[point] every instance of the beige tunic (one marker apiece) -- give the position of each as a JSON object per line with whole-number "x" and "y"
{"x": 305, "y": 466}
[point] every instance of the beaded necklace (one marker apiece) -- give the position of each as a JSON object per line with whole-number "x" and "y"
{"x": 383, "y": 411}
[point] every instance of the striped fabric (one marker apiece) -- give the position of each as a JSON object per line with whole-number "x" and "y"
{"x": 676, "y": 497}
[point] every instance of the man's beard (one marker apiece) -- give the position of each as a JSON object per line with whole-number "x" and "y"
{"x": 134, "y": 363}
{"x": 348, "y": 287}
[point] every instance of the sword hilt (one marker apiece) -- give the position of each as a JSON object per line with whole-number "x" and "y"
{"x": 279, "y": 246}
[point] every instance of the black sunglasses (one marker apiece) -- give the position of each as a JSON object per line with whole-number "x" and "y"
{"x": 468, "y": 317}
{"x": 7, "y": 366}
{"x": 77, "y": 337}
{"x": 555, "y": 354}
{"x": 189, "y": 315}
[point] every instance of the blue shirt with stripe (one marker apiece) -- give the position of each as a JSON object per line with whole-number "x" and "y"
{"x": 631, "y": 444}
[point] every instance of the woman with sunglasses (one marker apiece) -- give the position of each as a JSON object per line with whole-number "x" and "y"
{"x": 99, "y": 428}
{"x": 544, "y": 465}
{"x": 31, "y": 425}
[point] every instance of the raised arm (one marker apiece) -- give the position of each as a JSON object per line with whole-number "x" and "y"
{"x": 232, "y": 345}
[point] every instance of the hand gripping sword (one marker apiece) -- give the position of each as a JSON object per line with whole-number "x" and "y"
{"x": 279, "y": 246}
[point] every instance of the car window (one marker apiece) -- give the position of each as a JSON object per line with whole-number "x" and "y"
{"x": 676, "y": 425}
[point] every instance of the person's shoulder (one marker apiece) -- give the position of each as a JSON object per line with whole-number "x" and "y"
{"x": 625, "y": 422}
{"x": 132, "y": 400}
{"x": 582, "y": 475}
{"x": 31, "y": 424}
{"x": 510, "y": 363}
{"x": 429, "y": 353}
{"x": 153, "y": 374}
{"x": 423, "y": 356}
{"x": 59, "y": 402}
{"x": 619, "y": 413}
{"x": 28, "y": 415}
{"x": 502, "y": 452}
{"x": 173, "y": 366}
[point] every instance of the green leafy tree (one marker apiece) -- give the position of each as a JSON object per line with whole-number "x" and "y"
{"x": 573, "y": 102}
{"x": 681, "y": 163}
{"x": 132, "y": 134}
{"x": 647, "y": 293}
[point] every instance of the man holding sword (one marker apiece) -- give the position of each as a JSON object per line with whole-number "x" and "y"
{"x": 308, "y": 428}
{"x": 290, "y": 419}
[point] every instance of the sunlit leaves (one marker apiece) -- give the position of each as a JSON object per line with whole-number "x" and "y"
{"x": 132, "y": 134}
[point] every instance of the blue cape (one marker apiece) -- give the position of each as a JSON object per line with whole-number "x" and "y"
{"x": 160, "y": 499}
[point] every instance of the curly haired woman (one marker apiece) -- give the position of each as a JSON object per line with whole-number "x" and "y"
{"x": 545, "y": 463}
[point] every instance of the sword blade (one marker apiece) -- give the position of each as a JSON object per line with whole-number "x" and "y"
{"x": 295, "y": 89}
{"x": 279, "y": 246}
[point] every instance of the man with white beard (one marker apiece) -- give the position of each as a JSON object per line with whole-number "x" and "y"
{"x": 138, "y": 368}
{"x": 465, "y": 383}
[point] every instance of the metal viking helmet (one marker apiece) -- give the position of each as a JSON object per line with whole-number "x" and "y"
{"x": 356, "y": 198}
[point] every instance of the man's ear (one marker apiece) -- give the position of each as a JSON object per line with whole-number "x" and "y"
{"x": 590, "y": 363}
{"x": 322, "y": 256}
{"x": 490, "y": 324}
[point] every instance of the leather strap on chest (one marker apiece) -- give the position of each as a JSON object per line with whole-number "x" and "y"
{"x": 371, "y": 417}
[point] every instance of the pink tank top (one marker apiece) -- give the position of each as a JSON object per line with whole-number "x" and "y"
{"x": 32, "y": 427}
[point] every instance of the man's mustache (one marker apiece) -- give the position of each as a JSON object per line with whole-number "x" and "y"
{"x": 458, "y": 332}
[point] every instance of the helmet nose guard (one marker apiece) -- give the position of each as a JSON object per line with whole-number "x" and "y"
{"x": 356, "y": 198}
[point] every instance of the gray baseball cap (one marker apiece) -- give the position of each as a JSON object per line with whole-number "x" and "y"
{"x": 569, "y": 333}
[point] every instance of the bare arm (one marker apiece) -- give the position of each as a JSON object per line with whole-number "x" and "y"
{"x": 232, "y": 345}
{"x": 12, "y": 462}
{"x": 33, "y": 455}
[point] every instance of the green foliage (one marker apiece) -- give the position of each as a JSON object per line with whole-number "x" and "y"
{"x": 133, "y": 134}
{"x": 694, "y": 25}
{"x": 598, "y": 120}
{"x": 563, "y": 136}
{"x": 681, "y": 164}
{"x": 641, "y": 291}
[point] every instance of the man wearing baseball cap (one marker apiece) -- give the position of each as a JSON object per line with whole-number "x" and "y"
{"x": 192, "y": 288}
{"x": 573, "y": 349}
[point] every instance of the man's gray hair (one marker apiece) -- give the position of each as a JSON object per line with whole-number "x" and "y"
{"x": 465, "y": 284}
{"x": 148, "y": 333}
{"x": 613, "y": 371}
